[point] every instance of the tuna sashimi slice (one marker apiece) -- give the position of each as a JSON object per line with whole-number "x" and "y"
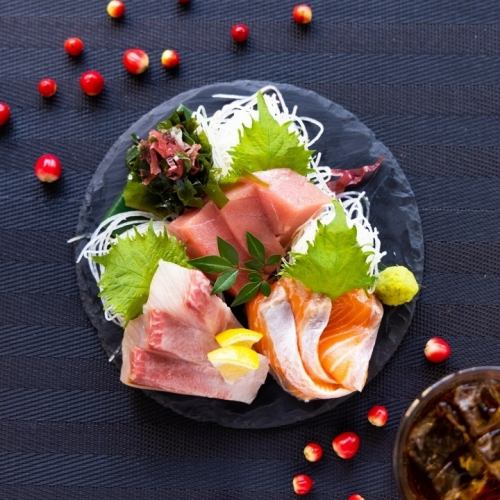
{"x": 186, "y": 294}
{"x": 149, "y": 370}
{"x": 273, "y": 317}
{"x": 347, "y": 343}
{"x": 289, "y": 200}
{"x": 244, "y": 213}
{"x": 199, "y": 229}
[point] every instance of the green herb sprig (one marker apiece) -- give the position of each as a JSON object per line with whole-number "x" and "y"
{"x": 227, "y": 266}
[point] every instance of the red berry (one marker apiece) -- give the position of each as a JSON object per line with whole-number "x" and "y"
{"x": 313, "y": 452}
{"x": 302, "y": 484}
{"x": 437, "y": 350}
{"x": 47, "y": 87}
{"x": 4, "y": 113}
{"x": 48, "y": 168}
{"x": 170, "y": 59}
{"x": 378, "y": 415}
{"x": 240, "y": 32}
{"x": 92, "y": 82}
{"x": 136, "y": 61}
{"x": 74, "y": 46}
{"x": 346, "y": 445}
{"x": 356, "y": 496}
{"x": 116, "y": 9}
{"x": 184, "y": 2}
{"x": 302, "y": 14}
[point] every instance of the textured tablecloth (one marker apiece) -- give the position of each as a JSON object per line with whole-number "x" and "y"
{"x": 424, "y": 75}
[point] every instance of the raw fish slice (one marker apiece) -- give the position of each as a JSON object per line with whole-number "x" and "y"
{"x": 244, "y": 213}
{"x": 148, "y": 370}
{"x": 169, "y": 334}
{"x": 273, "y": 317}
{"x": 311, "y": 313}
{"x": 186, "y": 293}
{"x": 346, "y": 346}
{"x": 289, "y": 200}
{"x": 199, "y": 229}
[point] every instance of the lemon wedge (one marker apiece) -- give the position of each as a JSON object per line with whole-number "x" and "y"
{"x": 238, "y": 336}
{"x": 234, "y": 362}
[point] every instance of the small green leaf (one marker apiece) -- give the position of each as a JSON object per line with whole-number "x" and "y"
{"x": 265, "y": 288}
{"x": 254, "y": 277}
{"x": 225, "y": 281}
{"x": 246, "y": 293}
{"x": 227, "y": 251}
{"x": 273, "y": 260}
{"x": 256, "y": 248}
{"x": 253, "y": 264}
{"x": 211, "y": 264}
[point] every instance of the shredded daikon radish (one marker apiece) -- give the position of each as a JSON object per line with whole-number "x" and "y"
{"x": 105, "y": 235}
{"x": 224, "y": 126}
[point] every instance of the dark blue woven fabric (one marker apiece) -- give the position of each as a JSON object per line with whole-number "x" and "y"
{"x": 423, "y": 75}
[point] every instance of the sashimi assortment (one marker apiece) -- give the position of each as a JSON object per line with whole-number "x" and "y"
{"x": 234, "y": 253}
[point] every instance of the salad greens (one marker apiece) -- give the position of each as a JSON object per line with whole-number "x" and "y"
{"x": 227, "y": 265}
{"x": 334, "y": 262}
{"x": 129, "y": 267}
{"x": 266, "y": 144}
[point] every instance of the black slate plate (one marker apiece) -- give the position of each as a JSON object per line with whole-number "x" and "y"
{"x": 346, "y": 143}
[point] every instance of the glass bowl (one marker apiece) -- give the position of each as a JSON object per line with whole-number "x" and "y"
{"x": 419, "y": 407}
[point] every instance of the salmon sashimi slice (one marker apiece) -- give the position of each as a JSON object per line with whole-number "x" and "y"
{"x": 199, "y": 229}
{"x": 186, "y": 294}
{"x": 347, "y": 343}
{"x": 311, "y": 313}
{"x": 289, "y": 201}
{"x": 148, "y": 370}
{"x": 244, "y": 213}
{"x": 273, "y": 316}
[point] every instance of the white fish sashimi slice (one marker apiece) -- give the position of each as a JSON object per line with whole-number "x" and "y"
{"x": 166, "y": 333}
{"x": 281, "y": 338}
{"x": 145, "y": 369}
{"x": 148, "y": 370}
{"x": 186, "y": 293}
{"x": 165, "y": 349}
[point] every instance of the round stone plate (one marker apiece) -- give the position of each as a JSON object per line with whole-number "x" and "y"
{"x": 346, "y": 143}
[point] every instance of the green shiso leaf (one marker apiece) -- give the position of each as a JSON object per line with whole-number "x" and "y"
{"x": 334, "y": 262}
{"x": 266, "y": 144}
{"x": 130, "y": 265}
